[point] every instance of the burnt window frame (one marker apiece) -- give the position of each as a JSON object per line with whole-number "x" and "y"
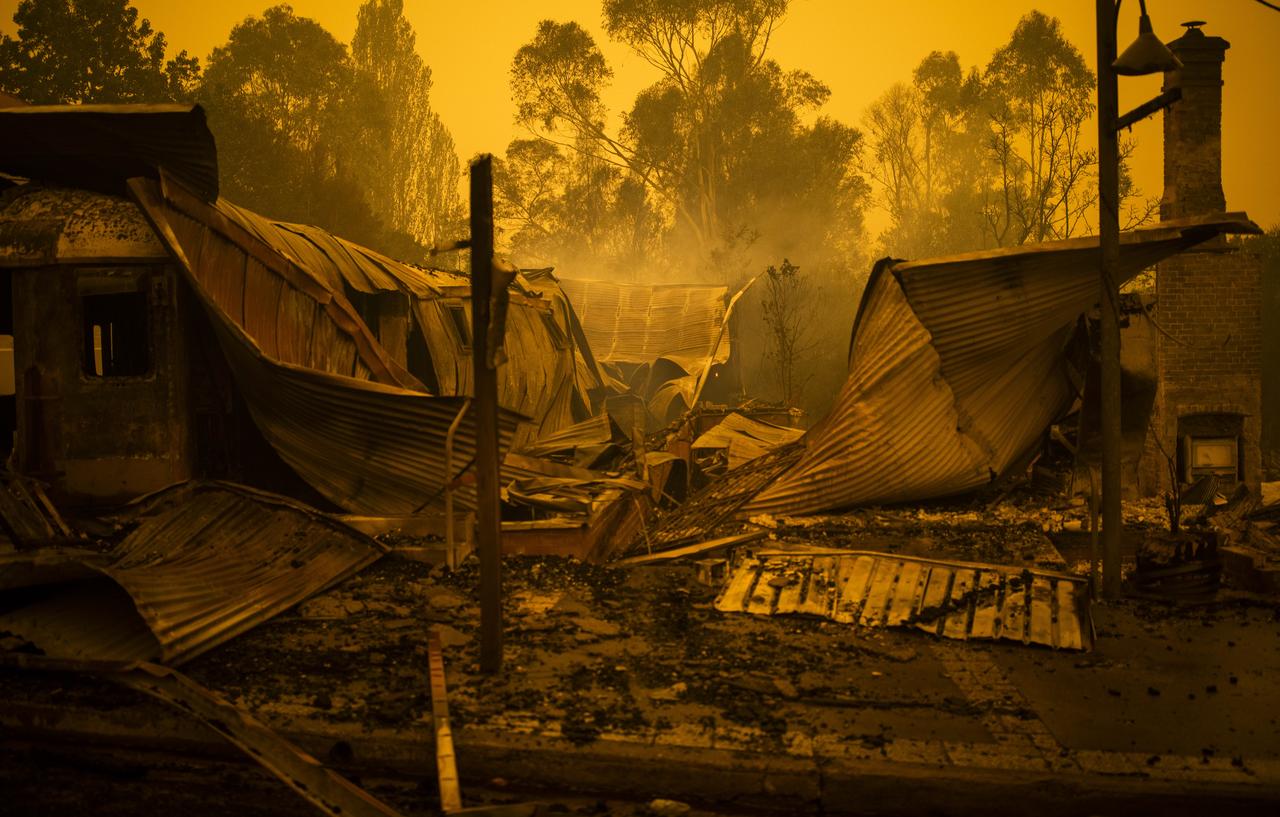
{"x": 109, "y": 282}
{"x": 460, "y": 320}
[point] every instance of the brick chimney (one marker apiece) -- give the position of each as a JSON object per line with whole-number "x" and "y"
{"x": 1193, "y": 128}
{"x": 1208, "y": 406}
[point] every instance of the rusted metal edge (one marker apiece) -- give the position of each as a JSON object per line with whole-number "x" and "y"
{"x": 705, "y": 374}
{"x": 879, "y": 554}
{"x": 1237, "y": 222}
{"x": 324, "y": 788}
{"x": 695, "y": 549}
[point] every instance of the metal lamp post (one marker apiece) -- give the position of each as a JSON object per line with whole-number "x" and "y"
{"x": 1147, "y": 55}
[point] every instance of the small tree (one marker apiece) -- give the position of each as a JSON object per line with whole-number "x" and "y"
{"x": 788, "y": 298}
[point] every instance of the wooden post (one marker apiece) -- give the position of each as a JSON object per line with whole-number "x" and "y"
{"x": 1109, "y": 295}
{"x": 485, "y": 392}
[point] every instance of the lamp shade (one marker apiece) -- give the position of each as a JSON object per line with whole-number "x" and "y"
{"x": 1146, "y": 55}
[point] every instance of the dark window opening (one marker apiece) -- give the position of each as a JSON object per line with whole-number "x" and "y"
{"x": 116, "y": 341}
{"x": 461, "y": 324}
{"x": 418, "y": 358}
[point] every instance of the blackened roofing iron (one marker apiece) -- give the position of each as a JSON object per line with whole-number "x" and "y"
{"x": 548, "y": 374}
{"x": 101, "y": 146}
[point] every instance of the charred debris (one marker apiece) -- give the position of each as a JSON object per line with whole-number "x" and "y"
{"x": 220, "y": 419}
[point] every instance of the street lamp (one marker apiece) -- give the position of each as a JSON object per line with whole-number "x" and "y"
{"x": 1147, "y": 55}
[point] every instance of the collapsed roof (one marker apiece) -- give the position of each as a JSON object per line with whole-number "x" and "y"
{"x": 642, "y": 323}
{"x": 206, "y": 563}
{"x": 324, "y": 393}
{"x": 668, "y": 335}
{"x": 549, "y": 376}
{"x": 958, "y": 366}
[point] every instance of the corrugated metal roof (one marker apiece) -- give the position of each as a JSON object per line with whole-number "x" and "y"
{"x": 305, "y": 364}
{"x": 640, "y": 323}
{"x": 207, "y": 563}
{"x": 957, "y": 366}
{"x": 959, "y": 600}
{"x": 337, "y": 261}
{"x": 592, "y": 432}
{"x": 285, "y": 310}
{"x": 745, "y": 439}
{"x": 101, "y": 146}
{"x": 546, "y": 376}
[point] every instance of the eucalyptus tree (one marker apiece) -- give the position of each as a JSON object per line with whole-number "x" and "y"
{"x": 95, "y": 51}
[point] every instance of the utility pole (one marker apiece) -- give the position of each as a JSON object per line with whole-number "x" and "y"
{"x": 485, "y": 391}
{"x": 1146, "y": 55}
{"x": 1109, "y": 296}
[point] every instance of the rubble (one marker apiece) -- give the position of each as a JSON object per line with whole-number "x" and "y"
{"x": 640, "y": 514}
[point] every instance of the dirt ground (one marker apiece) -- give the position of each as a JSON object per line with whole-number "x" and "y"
{"x": 594, "y": 652}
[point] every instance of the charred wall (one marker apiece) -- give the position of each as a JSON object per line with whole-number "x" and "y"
{"x": 99, "y": 360}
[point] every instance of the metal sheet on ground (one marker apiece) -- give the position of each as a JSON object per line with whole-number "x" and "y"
{"x": 208, "y": 562}
{"x": 958, "y": 600}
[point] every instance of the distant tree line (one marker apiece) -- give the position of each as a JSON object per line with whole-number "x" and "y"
{"x": 724, "y": 164}
{"x": 308, "y": 129}
{"x": 997, "y": 156}
{"x": 722, "y": 168}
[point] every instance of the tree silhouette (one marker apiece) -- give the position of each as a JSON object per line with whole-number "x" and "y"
{"x": 94, "y": 51}
{"x": 413, "y": 168}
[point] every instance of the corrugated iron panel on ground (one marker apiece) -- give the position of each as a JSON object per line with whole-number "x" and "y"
{"x": 959, "y": 600}
{"x": 207, "y": 563}
{"x": 957, "y": 366}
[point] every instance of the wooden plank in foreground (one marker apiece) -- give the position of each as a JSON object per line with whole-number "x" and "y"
{"x": 446, "y": 760}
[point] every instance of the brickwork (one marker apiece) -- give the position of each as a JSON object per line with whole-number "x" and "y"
{"x": 1193, "y": 129}
{"x": 1208, "y": 302}
{"x": 1211, "y": 303}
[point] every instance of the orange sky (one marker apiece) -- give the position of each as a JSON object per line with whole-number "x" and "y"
{"x": 857, "y": 48}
